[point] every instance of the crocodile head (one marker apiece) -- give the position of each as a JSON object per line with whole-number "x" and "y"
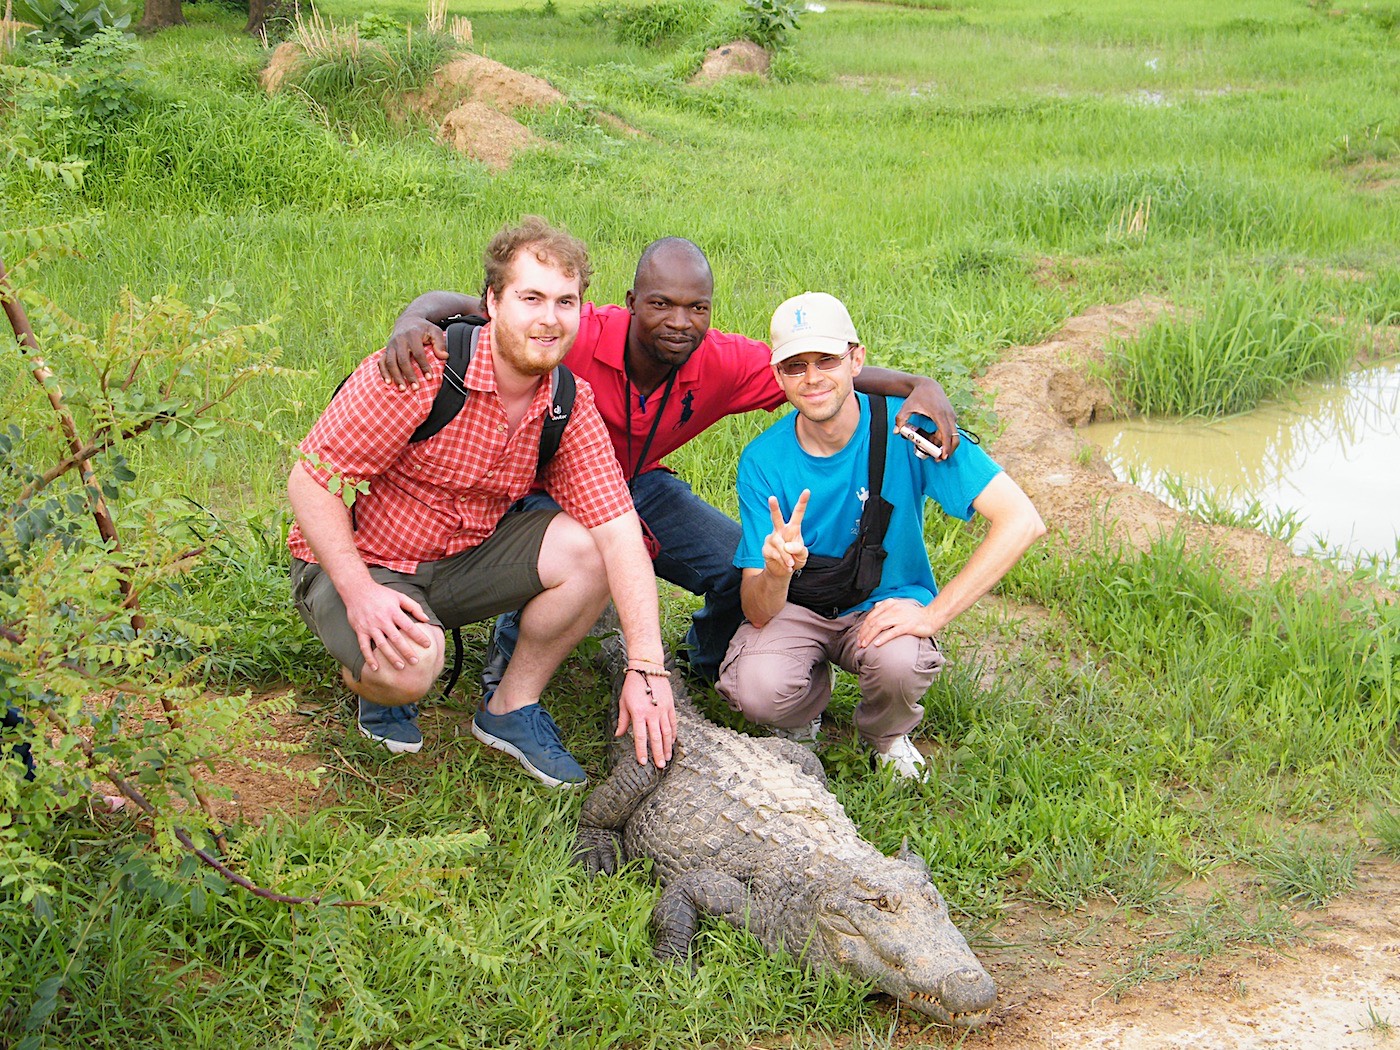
{"x": 892, "y": 927}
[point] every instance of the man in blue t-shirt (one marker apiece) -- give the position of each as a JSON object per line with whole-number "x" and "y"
{"x": 803, "y": 489}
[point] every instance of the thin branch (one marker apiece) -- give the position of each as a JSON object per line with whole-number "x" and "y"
{"x": 132, "y": 792}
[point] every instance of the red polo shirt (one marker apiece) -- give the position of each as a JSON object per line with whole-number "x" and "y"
{"x": 727, "y": 374}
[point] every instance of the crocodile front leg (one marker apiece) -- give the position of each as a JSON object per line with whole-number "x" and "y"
{"x": 598, "y": 845}
{"x": 676, "y": 916}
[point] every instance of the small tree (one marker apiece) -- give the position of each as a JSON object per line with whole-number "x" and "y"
{"x": 98, "y": 687}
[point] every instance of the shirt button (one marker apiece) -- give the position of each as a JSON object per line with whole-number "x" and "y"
{"x": 501, "y": 427}
{"x": 462, "y": 498}
{"x": 490, "y": 473}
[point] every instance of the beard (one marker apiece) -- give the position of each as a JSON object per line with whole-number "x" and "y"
{"x": 514, "y": 348}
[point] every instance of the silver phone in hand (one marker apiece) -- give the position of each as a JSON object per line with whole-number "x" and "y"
{"x": 924, "y": 446}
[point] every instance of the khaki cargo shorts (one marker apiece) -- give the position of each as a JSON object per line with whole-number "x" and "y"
{"x": 500, "y": 575}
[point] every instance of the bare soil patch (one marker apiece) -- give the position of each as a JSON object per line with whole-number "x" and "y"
{"x": 1080, "y": 980}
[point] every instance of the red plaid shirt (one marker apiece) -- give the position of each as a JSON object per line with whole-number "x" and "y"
{"x": 435, "y": 498}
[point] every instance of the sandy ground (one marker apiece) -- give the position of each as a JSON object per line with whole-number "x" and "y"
{"x": 1093, "y": 977}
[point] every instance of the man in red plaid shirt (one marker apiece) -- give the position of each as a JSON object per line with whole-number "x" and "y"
{"x": 432, "y": 547}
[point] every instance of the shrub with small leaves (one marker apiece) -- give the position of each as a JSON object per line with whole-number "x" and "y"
{"x": 95, "y": 684}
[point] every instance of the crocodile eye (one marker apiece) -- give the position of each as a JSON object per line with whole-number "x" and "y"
{"x": 886, "y": 903}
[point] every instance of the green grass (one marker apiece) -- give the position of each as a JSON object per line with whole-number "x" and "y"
{"x": 1250, "y": 341}
{"x": 1163, "y": 722}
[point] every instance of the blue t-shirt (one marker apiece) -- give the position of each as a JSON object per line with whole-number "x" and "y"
{"x": 775, "y": 464}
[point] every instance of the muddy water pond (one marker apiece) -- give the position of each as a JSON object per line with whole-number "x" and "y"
{"x": 1329, "y": 456}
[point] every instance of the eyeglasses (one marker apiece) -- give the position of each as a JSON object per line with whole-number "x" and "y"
{"x": 793, "y": 368}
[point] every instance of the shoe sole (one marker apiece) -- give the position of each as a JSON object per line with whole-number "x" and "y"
{"x": 501, "y": 744}
{"x": 394, "y": 747}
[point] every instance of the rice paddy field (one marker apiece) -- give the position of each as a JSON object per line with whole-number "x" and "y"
{"x": 1161, "y": 774}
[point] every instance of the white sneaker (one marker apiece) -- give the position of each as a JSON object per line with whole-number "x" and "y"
{"x": 804, "y": 735}
{"x": 905, "y": 758}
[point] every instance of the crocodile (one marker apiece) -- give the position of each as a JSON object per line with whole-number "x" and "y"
{"x": 745, "y": 829}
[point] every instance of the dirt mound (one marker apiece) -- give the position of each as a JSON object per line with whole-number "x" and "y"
{"x": 479, "y": 79}
{"x": 486, "y": 135}
{"x": 284, "y": 57}
{"x": 471, "y": 99}
{"x": 732, "y": 59}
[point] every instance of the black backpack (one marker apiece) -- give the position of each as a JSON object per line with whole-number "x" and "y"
{"x": 463, "y": 332}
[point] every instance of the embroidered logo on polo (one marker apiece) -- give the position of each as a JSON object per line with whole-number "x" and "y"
{"x": 687, "y": 408}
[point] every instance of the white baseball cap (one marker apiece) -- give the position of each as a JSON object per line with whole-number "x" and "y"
{"x": 812, "y": 322}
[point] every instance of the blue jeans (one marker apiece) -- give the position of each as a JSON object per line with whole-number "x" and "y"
{"x": 697, "y": 553}
{"x": 13, "y": 719}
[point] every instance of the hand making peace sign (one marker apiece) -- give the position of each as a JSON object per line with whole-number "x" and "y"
{"x": 784, "y": 551}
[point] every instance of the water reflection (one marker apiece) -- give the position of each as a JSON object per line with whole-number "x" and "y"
{"x": 1331, "y": 457}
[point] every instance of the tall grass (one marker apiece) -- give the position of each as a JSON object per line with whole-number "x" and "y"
{"x": 1251, "y": 341}
{"x": 347, "y": 76}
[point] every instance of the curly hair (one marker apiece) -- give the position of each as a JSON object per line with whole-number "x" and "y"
{"x": 551, "y": 246}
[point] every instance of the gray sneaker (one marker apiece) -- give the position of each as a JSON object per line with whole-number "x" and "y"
{"x": 394, "y": 727}
{"x": 805, "y": 735}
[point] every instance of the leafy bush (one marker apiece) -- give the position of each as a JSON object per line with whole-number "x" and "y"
{"x": 768, "y": 23}
{"x": 79, "y": 97}
{"x": 71, "y": 22}
{"x": 85, "y": 669}
{"x": 375, "y": 25}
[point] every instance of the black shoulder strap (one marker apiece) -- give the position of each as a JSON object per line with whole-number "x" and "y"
{"x": 463, "y": 333}
{"x": 564, "y": 390}
{"x": 879, "y": 420}
{"x": 462, "y": 338}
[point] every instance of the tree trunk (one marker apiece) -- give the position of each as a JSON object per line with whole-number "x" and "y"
{"x": 258, "y": 10}
{"x": 160, "y": 14}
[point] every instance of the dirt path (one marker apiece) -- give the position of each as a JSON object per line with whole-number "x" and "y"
{"x": 1069, "y": 981}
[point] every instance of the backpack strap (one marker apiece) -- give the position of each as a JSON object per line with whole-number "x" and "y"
{"x": 462, "y": 337}
{"x": 463, "y": 334}
{"x": 879, "y": 421}
{"x": 564, "y": 390}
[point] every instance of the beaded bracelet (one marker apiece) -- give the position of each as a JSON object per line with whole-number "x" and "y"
{"x": 648, "y": 674}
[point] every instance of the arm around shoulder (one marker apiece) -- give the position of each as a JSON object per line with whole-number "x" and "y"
{"x": 416, "y": 332}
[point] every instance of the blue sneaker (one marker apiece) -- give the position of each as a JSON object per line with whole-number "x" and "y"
{"x": 394, "y": 727}
{"x": 531, "y": 736}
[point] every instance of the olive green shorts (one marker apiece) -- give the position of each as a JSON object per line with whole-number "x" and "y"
{"x": 500, "y": 575}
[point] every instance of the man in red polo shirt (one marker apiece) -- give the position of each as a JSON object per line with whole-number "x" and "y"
{"x": 661, "y": 376}
{"x": 431, "y": 545}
